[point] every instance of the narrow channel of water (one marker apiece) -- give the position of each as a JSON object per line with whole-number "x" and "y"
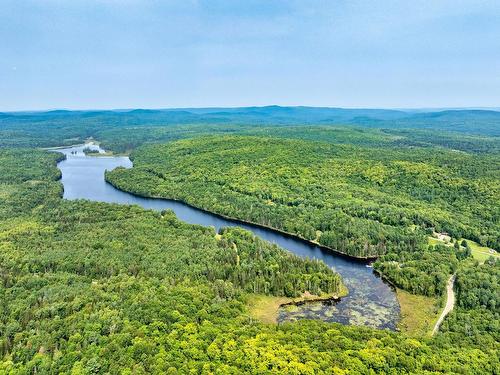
{"x": 370, "y": 302}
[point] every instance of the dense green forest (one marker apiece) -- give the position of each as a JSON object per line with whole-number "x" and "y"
{"x": 423, "y": 271}
{"x": 95, "y": 288}
{"x": 122, "y": 131}
{"x": 476, "y": 319}
{"x": 89, "y": 287}
{"x": 358, "y": 200}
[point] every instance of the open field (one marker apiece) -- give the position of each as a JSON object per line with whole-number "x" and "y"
{"x": 481, "y": 253}
{"x": 265, "y": 308}
{"x": 418, "y": 313}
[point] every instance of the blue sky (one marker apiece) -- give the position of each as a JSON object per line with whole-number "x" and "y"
{"x": 159, "y": 54}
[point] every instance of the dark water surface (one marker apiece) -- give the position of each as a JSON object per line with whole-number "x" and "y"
{"x": 370, "y": 301}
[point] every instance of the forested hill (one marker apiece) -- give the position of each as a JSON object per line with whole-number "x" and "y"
{"x": 467, "y": 130}
{"x": 358, "y": 200}
{"x": 361, "y": 201}
{"x": 471, "y": 121}
{"x": 91, "y": 288}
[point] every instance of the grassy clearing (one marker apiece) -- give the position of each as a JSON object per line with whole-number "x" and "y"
{"x": 434, "y": 241}
{"x": 481, "y": 253}
{"x": 418, "y": 313}
{"x": 265, "y": 308}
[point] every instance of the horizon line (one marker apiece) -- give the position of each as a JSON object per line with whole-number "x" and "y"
{"x": 403, "y": 109}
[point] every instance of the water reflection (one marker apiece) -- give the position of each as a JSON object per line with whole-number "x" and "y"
{"x": 370, "y": 302}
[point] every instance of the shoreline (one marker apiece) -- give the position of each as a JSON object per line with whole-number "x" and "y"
{"x": 266, "y": 308}
{"x": 69, "y": 146}
{"x": 305, "y": 300}
{"x": 301, "y": 300}
{"x": 361, "y": 259}
{"x": 366, "y": 260}
{"x": 93, "y": 142}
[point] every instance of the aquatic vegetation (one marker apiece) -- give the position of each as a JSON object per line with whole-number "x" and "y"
{"x": 95, "y": 287}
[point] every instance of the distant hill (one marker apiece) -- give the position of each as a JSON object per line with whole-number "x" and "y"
{"x": 459, "y": 114}
{"x": 470, "y": 121}
{"x": 483, "y": 122}
{"x": 297, "y": 114}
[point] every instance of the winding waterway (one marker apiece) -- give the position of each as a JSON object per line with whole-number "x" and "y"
{"x": 370, "y": 302}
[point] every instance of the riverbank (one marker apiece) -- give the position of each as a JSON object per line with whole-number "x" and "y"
{"x": 266, "y": 308}
{"x": 367, "y": 259}
{"x": 361, "y": 306}
{"x": 105, "y": 153}
{"x": 88, "y": 141}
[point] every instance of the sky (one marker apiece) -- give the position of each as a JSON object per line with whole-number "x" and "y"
{"x": 163, "y": 54}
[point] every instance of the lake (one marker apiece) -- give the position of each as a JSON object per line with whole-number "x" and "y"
{"x": 370, "y": 302}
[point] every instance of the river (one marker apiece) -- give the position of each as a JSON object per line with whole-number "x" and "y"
{"x": 370, "y": 302}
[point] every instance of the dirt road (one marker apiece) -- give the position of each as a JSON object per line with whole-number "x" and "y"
{"x": 450, "y": 303}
